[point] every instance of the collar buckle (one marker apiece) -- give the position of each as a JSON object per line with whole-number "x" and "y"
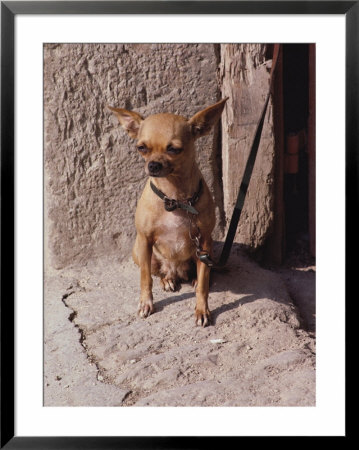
{"x": 170, "y": 204}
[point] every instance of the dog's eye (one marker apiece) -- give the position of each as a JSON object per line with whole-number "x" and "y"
{"x": 173, "y": 150}
{"x": 142, "y": 148}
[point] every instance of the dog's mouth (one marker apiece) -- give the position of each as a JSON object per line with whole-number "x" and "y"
{"x": 155, "y": 175}
{"x": 159, "y": 175}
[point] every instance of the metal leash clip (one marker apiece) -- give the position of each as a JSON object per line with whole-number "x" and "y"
{"x": 204, "y": 257}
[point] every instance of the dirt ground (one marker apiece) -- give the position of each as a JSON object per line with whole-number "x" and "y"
{"x": 258, "y": 351}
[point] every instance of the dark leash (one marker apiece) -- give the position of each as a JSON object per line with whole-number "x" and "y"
{"x": 205, "y": 258}
{"x": 187, "y": 205}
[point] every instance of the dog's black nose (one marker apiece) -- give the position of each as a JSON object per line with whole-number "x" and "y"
{"x": 154, "y": 167}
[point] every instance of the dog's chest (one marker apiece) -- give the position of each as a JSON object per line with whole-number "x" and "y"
{"x": 174, "y": 221}
{"x": 173, "y": 235}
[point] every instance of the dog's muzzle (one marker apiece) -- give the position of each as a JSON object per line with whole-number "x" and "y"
{"x": 154, "y": 168}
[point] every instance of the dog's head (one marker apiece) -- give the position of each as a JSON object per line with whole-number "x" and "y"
{"x": 166, "y": 141}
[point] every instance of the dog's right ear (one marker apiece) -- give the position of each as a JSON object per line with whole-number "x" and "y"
{"x": 130, "y": 120}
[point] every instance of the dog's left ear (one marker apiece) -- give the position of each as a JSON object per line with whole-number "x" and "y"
{"x": 202, "y": 122}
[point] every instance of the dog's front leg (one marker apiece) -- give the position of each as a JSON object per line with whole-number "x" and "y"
{"x": 144, "y": 254}
{"x": 202, "y": 312}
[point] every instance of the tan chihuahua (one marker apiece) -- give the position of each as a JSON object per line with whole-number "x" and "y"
{"x": 175, "y": 214}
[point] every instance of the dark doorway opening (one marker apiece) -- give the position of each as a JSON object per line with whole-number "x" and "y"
{"x": 297, "y": 103}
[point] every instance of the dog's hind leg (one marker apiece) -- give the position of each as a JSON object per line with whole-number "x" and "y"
{"x": 170, "y": 284}
{"x": 174, "y": 273}
{"x": 169, "y": 279}
{"x": 171, "y": 276}
{"x": 155, "y": 266}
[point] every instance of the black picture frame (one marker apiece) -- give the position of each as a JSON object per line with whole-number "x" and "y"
{"x": 9, "y": 9}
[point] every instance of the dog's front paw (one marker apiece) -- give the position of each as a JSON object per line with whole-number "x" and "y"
{"x": 145, "y": 308}
{"x": 202, "y": 317}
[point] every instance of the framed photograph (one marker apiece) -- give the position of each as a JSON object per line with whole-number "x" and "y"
{"x": 97, "y": 100}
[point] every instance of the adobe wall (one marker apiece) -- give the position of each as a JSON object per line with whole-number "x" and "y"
{"x": 93, "y": 174}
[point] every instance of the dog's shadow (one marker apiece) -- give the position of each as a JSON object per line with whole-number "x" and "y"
{"x": 162, "y": 304}
{"x": 241, "y": 276}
